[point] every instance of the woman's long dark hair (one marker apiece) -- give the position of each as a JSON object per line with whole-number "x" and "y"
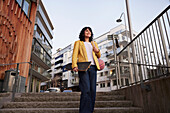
{"x": 82, "y": 37}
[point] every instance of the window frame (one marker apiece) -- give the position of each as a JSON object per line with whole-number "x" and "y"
{"x": 22, "y": 5}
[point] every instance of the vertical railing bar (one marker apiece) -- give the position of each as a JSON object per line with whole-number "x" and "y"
{"x": 168, "y": 18}
{"x": 149, "y": 40}
{"x": 144, "y": 55}
{"x": 146, "y": 52}
{"x": 139, "y": 57}
{"x": 160, "y": 45}
{"x": 166, "y": 37}
{"x": 165, "y": 30}
{"x": 152, "y": 50}
{"x": 156, "y": 47}
{"x": 136, "y": 59}
{"x": 163, "y": 44}
{"x": 16, "y": 83}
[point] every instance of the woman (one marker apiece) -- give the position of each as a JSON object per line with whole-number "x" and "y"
{"x": 85, "y": 50}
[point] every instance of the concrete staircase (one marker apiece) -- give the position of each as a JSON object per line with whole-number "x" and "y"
{"x": 106, "y": 102}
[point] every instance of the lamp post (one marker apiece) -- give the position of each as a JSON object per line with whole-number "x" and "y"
{"x": 120, "y": 20}
{"x": 131, "y": 37}
{"x": 130, "y": 66}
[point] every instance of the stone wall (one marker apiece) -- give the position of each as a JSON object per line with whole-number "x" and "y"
{"x": 157, "y": 100}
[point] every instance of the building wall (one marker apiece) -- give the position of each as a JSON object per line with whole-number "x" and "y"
{"x": 16, "y": 34}
{"x": 42, "y": 46}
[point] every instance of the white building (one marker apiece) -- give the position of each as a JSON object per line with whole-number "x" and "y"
{"x": 106, "y": 79}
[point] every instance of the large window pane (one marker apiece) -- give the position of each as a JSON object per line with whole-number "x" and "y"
{"x": 27, "y": 6}
{"x": 19, "y": 2}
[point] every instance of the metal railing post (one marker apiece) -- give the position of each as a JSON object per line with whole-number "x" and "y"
{"x": 163, "y": 43}
{"x": 114, "y": 52}
{"x": 118, "y": 69}
{"x": 30, "y": 80}
{"x": 16, "y": 83}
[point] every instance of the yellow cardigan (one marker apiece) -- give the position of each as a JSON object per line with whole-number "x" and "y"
{"x": 80, "y": 54}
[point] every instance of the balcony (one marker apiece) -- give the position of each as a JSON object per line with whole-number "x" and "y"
{"x": 49, "y": 70}
{"x": 75, "y": 74}
{"x": 75, "y": 82}
{"x": 112, "y": 76}
{"x": 59, "y": 60}
{"x": 38, "y": 75}
{"x": 45, "y": 44}
{"x": 111, "y": 65}
{"x": 58, "y": 71}
{"x": 110, "y": 47}
{"x": 124, "y": 41}
{"x": 58, "y": 66}
{"x": 39, "y": 9}
{"x": 40, "y": 25}
{"x": 39, "y": 59}
{"x": 125, "y": 52}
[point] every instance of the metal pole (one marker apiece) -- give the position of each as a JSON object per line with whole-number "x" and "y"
{"x": 114, "y": 52}
{"x": 16, "y": 83}
{"x": 30, "y": 81}
{"x": 131, "y": 37}
{"x": 118, "y": 78}
{"x": 129, "y": 60}
{"x": 164, "y": 45}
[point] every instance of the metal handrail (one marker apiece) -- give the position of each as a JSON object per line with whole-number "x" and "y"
{"x": 150, "y": 49}
{"x": 17, "y": 76}
{"x": 144, "y": 30}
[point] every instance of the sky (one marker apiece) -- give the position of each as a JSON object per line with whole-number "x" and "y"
{"x": 70, "y": 16}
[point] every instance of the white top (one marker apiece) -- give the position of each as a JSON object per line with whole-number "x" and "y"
{"x": 89, "y": 50}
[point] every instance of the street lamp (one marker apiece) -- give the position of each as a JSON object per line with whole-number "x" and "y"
{"x": 120, "y": 20}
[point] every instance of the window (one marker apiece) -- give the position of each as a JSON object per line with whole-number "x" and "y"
{"x": 20, "y": 2}
{"x": 122, "y": 81}
{"x": 35, "y": 27}
{"x": 103, "y": 84}
{"x": 100, "y": 85}
{"x": 108, "y": 84}
{"x": 127, "y": 81}
{"x": 114, "y": 82}
{"x": 25, "y": 5}
{"x": 106, "y": 73}
{"x": 101, "y": 74}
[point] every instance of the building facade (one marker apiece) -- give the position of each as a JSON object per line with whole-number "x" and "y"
{"x": 106, "y": 79}
{"x": 41, "y": 54}
{"x": 17, "y": 18}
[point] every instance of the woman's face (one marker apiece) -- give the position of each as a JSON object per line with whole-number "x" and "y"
{"x": 87, "y": 33}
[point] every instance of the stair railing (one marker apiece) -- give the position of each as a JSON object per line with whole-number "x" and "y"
{"x": 152, "y": 48}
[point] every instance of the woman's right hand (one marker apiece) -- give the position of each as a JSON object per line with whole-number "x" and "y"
{"x": 75, "y": 69}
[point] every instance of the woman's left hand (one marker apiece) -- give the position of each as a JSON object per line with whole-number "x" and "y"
{"x": 96, "y": 50}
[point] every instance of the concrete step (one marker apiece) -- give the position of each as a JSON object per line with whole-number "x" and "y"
{"x": 66, "y": 98}
{"x": 67, "y": 104}
{"x": 50, "y": 94}
{"x": 72, "y": 110}
{"x": 4, "y": 94}
{"x": 69, "y": 94}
